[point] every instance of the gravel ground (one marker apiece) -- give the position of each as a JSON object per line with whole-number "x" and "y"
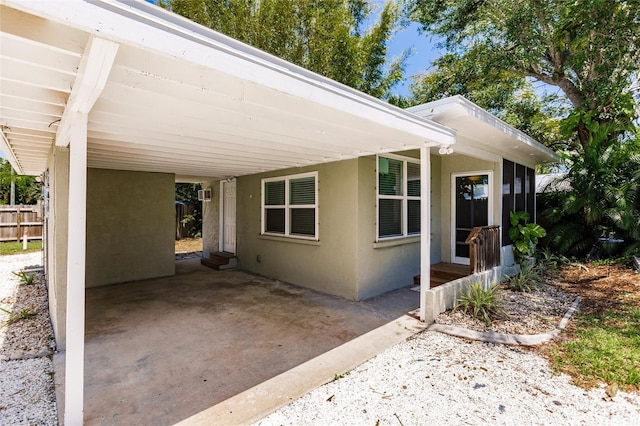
{"x": 27, "y": 395}
{"x": 537, "y": 312}
{"x": 438, "y": 379}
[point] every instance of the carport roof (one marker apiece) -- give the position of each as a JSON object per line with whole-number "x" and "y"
{"x": 178, "y": 97}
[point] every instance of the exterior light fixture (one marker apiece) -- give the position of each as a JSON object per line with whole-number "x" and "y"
{"x": 445, "y": 150}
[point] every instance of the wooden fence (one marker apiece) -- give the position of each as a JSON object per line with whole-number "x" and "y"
{"x": 14, "y": 220}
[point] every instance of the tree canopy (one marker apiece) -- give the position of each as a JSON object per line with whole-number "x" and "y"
{"x": 588, "y": 49}
{"x": 324, "y": 36}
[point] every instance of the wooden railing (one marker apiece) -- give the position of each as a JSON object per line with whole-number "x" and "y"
{"x": 484, "y": 248}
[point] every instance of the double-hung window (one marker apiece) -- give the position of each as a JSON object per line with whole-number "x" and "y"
{"x": 290, "y": 206}
{"x": 398, "y": 197}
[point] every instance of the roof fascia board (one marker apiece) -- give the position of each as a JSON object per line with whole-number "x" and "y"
{"x": 11, "y": 157}
{"x": 166, "y": 33}
{"x": 471, "y": 109}
{"x": 93, "y": 72}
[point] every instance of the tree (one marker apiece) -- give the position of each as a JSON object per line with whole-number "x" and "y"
{"x": 27, "y": 190}
{"x": 188, "y": 210}
{"x": 589, "y": 49}
{"x": 324, "y": 36}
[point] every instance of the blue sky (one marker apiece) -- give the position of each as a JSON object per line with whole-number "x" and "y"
{"x": 423, "y": 52}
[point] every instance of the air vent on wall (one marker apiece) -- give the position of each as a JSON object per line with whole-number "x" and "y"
{"x": 204, "y": 194}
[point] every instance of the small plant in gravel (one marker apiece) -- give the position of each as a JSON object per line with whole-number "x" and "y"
{"x": 527, "y": 280}
{"x": 480, "y": 302}
{"x": 14, "y": 317}
{"x": 25, "y": 278}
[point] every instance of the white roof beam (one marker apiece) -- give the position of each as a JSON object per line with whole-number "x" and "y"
{"x": 219, "y": 140}
{"x": 95, "y": 66}
{"x": 168, "y": 143}
{"x": 19, "y": 90}
{"x": 203, "y": 158}
{"x": 26, "y": 105}
{"x": 41, "y": 30}
{"x": 24, "y": 116}
{"x": 23, "y": 51}
{"x": 33, "y": 75}
{"x": 186, "y": 152}
{"x": 18, "y": 131}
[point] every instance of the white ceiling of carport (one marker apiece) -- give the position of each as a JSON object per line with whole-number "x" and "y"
{"x": 197, "y": 115}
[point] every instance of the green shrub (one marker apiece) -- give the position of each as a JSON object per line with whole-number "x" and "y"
{"x": 480, "y": 302}
{"x": 524, "y": 235}
{"x": 549, "y": 262}
{"x": 527, "y": 280}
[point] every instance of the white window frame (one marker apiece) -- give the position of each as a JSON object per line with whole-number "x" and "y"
{"x": 288, "y": 206}
{"x": 404, "y": 197}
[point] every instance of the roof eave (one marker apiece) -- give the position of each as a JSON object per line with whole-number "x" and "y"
{"x": 441, "y": 107}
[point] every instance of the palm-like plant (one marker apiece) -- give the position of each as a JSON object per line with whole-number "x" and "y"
{"x": 603, "y": 199}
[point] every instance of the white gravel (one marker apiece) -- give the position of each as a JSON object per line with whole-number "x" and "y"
{"x": 439, "y": 379}
{"x": 27, "y": 395}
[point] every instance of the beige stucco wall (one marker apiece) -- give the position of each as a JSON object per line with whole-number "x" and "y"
{"x": 130, "y": 226}
{"x": 346, "y": 260}
{"x": 211, "y": 219}
{"x": 458, "y": 163}
{"x": 388, "y": 265}
{"x": 328, "y": 265}
{"x": 56, "y": 239}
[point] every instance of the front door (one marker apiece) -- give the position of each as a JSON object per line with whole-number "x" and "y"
{"x": 229, "y": 217}
{"x": 471, "y": 207}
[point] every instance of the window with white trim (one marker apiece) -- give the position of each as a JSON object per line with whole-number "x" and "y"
{"x": 290, "y": 206}
{"x": 398, "y": 198}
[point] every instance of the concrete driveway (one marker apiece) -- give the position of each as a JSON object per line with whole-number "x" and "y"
{"x": 162, "y": 350}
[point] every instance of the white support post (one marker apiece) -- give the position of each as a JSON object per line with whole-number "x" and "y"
{"x": 425, "y": 227}
{"x": 76, "y": 253}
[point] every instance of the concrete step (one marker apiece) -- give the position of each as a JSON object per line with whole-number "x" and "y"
{"x": 220, "y": 261}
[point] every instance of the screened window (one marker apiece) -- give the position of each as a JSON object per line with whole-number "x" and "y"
{"x": 398, "y": 197}
{"x": 518, "y": 194}
{"x": 290, "y": 206}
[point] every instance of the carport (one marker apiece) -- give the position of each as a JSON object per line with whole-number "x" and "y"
{"x": 163, "y": 350}
{"x": 127, "y": 86}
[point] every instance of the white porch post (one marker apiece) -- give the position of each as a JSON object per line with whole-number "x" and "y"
{"x": 76, "y": 253}
{"x": 425, "y": 228}
{"x": 93, "y": 72}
